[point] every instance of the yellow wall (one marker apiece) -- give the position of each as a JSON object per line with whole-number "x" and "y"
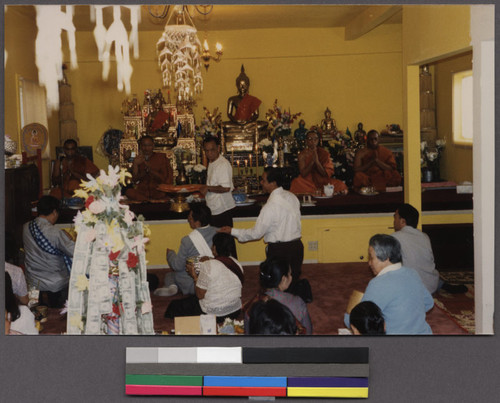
{"x": 429, "y": 33}
{"x": 331, "y": 233}
{"x": 20, "y": 33}
{"x": 456, "y": 164}
{"x": 306, "y": 69}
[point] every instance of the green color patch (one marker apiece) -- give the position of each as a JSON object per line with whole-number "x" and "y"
{"x": 172, "y": 380}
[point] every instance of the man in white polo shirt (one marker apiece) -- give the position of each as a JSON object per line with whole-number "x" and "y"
{"x": 219, "y": 185}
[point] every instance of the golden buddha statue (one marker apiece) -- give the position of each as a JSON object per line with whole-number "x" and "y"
{"x": 328, "y": 126}
{"x": 243, "y": 130}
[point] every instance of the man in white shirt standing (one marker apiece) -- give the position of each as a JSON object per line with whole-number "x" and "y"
{"x": 219, "y": 185}
{"x": 278, "y": 222}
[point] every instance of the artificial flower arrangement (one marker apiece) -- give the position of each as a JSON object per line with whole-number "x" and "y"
{"x": 197, "y": 174}
{"x": 431, "y": 156}
{"x": 108, "y": 289}
{"x": 210, "y": 124}
{"x": 281, "y": 120}
{"x": 266, "y": 145}
{"x": 342, "y": 150}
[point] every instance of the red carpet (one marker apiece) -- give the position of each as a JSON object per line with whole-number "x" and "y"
{"x": 332, "y": 285}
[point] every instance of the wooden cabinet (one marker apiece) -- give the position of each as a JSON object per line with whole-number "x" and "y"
{"x": 21, "y": 190}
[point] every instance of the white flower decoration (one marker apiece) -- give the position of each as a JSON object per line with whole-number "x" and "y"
{"x": 199, "y": 168}
{"x": 97, "y": 207}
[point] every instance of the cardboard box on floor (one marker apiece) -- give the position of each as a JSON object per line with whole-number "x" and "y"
{"x": 203, "y": 324}
{"x": 354, "y": 300}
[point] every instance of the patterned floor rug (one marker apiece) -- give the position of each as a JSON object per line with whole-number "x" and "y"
{"x": 460, "y": 307}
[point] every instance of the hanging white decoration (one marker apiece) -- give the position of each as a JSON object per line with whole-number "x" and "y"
{"x": 118, "y": 34}
{"x": 51, "y": 21}
{"x": 179, "y": 52}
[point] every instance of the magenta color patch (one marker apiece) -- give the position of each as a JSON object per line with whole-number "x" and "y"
{"x": 163, "y": 390}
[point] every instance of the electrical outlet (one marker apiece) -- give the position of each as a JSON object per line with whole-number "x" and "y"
{"x": 313, "y": 246}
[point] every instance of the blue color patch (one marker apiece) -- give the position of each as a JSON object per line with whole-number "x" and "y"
{"x": 245, "y": 381}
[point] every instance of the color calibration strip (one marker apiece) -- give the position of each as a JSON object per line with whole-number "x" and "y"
{"x": 241, "y": 371}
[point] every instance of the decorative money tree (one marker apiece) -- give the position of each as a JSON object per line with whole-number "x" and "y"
{"x": 108, "y": 291}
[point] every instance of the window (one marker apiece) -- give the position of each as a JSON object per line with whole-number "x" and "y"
{"x": 462, "y": 108}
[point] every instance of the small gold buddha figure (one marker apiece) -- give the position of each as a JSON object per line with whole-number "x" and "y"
{"x": 360, "y": 134}
{"x": 328, "y": 126}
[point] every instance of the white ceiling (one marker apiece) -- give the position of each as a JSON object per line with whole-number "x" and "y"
{"x": 228, "y": 17}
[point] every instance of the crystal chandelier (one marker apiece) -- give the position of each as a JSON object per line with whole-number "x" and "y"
{"x": 179, "y": 56}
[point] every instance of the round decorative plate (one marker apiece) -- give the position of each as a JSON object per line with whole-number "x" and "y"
{"x": 34, "y": 136}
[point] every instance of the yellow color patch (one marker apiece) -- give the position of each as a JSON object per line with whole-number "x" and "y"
{"x": 327, "y": 392}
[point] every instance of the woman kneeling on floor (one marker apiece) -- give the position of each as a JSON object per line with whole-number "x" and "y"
{"x": 217, "y": 285}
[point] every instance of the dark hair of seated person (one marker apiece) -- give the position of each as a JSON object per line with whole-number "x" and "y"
{"x": 367, "y": 318}
{"x": 223, "y": 244}
{"x": 409, "y": 213}
{"x": 272, "y": 271}
{"x": 11, "y": 305}
{"x": 47, "y": 204}
{"x": 271, "y": 317}
{"x": 274, "y": 175}
{"x": 201, "y": 213}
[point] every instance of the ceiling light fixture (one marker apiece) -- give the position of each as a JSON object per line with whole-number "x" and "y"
{"x": 179, "y": 51}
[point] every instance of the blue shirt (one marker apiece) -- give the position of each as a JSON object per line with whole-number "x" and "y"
{"x": 403, "y": 300}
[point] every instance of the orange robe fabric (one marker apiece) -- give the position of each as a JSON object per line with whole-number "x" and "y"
{"x": 146, "y": 189}
{"x": 376, "y": 177}
{"x": 315, "y": 180}
{"x": 82, "y": 166}
{"x": 246, "y": 107}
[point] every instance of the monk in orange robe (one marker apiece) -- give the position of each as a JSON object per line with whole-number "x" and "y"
{"x": 375, "y": 165}
{"x": 149, "y": 169}
{"x": 69, "y": 172}
{"x": 316, "y": 169}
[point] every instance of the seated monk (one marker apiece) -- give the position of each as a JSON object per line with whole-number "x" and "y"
{"x": 316, "y": 169}
{"x": 149, "y": 169}
{"x": 70, "y": 170}
{"x": 375, "y": 165}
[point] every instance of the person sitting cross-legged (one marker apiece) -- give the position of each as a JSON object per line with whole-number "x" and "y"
{"x": 49, "y": 253}
{"x": 197, "y": 243}
{"x": 397, "y": 290}
{"x": 217, "y": 285}
{"x": 416, "y": 250}
{"x": 316, "y": 169}
{"x": 375, "y": 165}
